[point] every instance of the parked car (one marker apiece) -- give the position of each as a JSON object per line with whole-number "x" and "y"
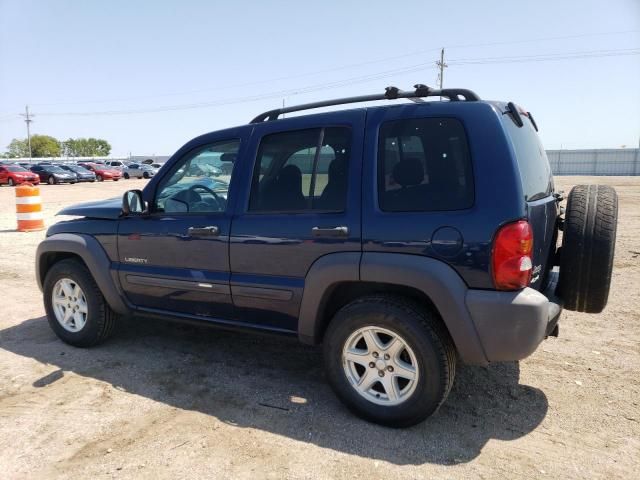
{"x": 103, "y": 172}
{"x": 138, "y": 170}
{"x": 417, "y": 235}
{"x": 52, "y": 174}
{"x": 16, "y": 175}
{"x": 115, "y": 164}
{"x": 83, "y": 174}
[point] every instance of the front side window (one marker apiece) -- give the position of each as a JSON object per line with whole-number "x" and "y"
{"x": 302, "y": 170}
{"x": 200, "y": 182}
{"x": 424, "y": 165}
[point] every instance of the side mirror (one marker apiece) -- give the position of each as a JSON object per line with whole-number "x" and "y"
{"x": 132, "y": 203}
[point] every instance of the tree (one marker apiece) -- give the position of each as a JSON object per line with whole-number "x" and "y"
{"x": 44, "y": 146}
{"x": 17, "y": 148}
{"x": 41, "y": 146}
{"x": 86, "y": 147}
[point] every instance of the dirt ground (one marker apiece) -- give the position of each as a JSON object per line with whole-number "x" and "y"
{"x": 166, "y": 401}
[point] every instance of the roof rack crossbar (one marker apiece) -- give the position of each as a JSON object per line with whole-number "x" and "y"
{"x": 391, "y": 93}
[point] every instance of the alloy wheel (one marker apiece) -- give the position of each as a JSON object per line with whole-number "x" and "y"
{"x": 380, "y": 365}
{"x": 69, "y": 305}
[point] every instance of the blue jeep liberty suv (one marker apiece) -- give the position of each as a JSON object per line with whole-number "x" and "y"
{"x": 404, "y": 238}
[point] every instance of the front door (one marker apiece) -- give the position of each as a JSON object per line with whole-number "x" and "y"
{"x": 302, "y": 202}
{"x": 176, "y": 259}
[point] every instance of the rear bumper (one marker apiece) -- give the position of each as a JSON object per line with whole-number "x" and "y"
{"x": 511, "y": 325}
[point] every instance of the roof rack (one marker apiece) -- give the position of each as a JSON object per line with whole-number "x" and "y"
{"x": 390, "y": 93}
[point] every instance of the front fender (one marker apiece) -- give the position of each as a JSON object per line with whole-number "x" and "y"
{"x": 94, "y": 257}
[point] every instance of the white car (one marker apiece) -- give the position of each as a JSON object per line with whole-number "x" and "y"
{"x": 137, "y": 170}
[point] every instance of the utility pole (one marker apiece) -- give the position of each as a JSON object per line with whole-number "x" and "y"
{"x": 440, "y": 63}
{"x": 28, "y": 119}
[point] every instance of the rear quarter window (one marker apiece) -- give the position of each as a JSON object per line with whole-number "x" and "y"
{"x": 424, "y": 165}
{"x": 531, "y": 158}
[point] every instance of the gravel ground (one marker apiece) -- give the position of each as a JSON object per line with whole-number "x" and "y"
{"x": 168, "y": 401}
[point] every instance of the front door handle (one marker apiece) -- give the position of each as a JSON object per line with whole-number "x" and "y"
{"x": 341, "y": 231}
{"x": 211, "y": 231}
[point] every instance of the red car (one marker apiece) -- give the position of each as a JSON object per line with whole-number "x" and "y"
{"x": 103, "y": 172}
{"x": 15, "y": 175}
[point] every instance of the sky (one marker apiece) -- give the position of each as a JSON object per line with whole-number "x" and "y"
{"x": 150, "y": 75}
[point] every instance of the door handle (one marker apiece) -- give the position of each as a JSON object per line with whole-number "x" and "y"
{"x": 211, "y": 231}
{"x": 341, "y": 231}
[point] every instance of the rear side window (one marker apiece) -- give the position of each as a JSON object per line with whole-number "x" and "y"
{"x": 535, "y": 172}
{"x": 302, "y": 170}
{"x": 424, "y": 165}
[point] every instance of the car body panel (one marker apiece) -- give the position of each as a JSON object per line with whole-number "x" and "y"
{"x": 275, "y": 251}
{"x": 17, "y": 177}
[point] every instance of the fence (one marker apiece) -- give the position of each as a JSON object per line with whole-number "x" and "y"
{"x": 619, "y": 161}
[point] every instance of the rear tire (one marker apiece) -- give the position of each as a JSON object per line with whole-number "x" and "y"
{"x": 99, "y": 320}
{"x": 126, "y": 176}
{"x": 425, "y": 347}
{"x": 145, "y": 175}
{"x": 99, "y": 178}
{"x": 588, "y": 247}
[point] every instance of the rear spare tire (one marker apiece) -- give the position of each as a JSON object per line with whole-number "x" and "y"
{"x": 588, "y": 245}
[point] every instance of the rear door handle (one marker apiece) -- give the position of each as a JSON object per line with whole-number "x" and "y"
{"x": 341, "y": 231}
{"x": 211, "y": 231}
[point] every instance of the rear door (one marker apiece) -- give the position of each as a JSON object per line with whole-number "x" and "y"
{"x": 301, "y": 202}
{"x": 537, "y": 185}
{"x": 176, "y": 259}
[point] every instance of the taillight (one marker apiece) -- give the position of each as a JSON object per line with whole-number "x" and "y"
{"x": 511, "y": 257}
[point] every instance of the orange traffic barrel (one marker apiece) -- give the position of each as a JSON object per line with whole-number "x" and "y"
{"x": 29, "y": 208}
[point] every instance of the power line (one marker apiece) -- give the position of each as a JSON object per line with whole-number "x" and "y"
{"x": 356, "y": 80}
{"x": 546, "y": 57}
{"x": 343, "y": 67}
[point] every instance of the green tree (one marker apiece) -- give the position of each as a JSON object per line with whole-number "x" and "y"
{"x": 86, "y": 147}
{"x": 44, "y": 146}
{"x": 17, "y": 148}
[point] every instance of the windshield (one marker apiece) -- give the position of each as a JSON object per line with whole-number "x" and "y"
{"x": 16, "y": 169}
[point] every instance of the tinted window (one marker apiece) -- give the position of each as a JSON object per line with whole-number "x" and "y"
{"x": 424, "y": 165}
{"x": 16, "y": 169}
{"x": 197, "y": 183}
{"x": 535, "y": 172}
{"x": 302, "y": 170}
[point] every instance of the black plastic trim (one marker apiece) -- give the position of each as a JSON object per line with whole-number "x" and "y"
{"x": 217, "y": 288}
{"x": 94, "y": 257}
{"x": 441, "y": 284}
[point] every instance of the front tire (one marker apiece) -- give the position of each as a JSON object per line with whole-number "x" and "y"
{"x": 389, "y": 360}
{"x": 76, "y": 310}
{"x": 126, "y": 176}
{"x": 145, "y": 175}
{"x": 11, "y": 182}
{"x": 99, "y": 178}
{"x": 52, "y": 180}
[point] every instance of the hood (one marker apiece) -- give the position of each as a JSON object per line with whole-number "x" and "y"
{"x": 108, "y": 209}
